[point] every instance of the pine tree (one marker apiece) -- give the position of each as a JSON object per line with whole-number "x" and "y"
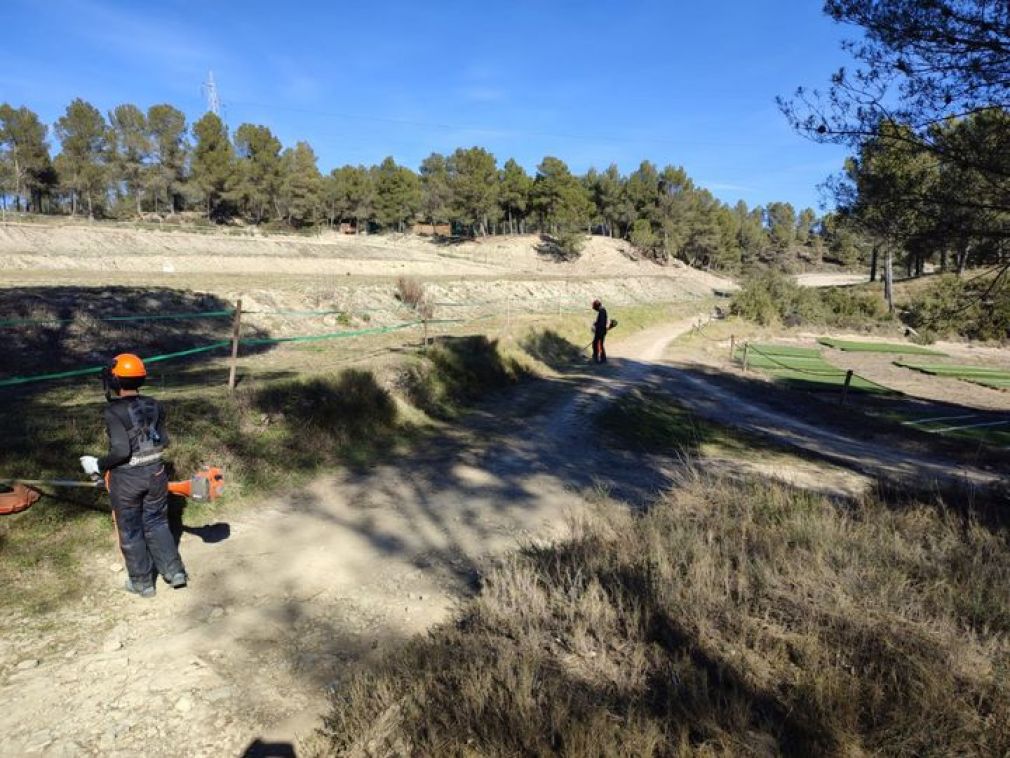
{"x": 607, "y": 191}
{"x": 350, "y": 195}
{"x": 301, "y": 188}
{"x": 751, "y": 236}
{"x": 129, "y": 151}
{"x": 26, "y": 170}
{"x": 258, "y": 172}
{"x": 166, "y": 174}
{"x": 473, "y": 183}
{"x": 436, "y": 195}
{"x": 397, "y": 194}
{"x": 805, "y": 226}
{"x": 781, "y": 225}
{"x": 213, "y": 165}
{"x": 563, "y": 204}
{"x": 515, "y": 188}
{"x": 83, "y": 136}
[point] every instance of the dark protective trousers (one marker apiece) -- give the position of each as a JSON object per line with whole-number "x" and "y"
{"x": 599, "y": 352}
{"x": 140, "y": 503}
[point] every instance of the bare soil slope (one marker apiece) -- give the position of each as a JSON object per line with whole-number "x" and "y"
{"x": 116, "y": 248}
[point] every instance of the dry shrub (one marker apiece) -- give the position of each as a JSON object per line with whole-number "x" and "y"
{"x": 733, "y": 617}
{"x": 413, "y": 294}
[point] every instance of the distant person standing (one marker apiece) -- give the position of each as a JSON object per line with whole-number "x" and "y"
{"x": 599, "y": 333}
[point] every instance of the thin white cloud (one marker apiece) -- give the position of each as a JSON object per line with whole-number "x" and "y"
{"x": 727, "y": 186}
{"x": 482, "y": 94}
{"x": 136, "y": 33}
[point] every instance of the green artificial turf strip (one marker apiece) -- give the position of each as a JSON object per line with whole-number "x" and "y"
{"x": 852, "y": 346}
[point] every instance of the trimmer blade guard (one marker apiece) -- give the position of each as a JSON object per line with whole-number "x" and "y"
{"x": 17, "y": 498}
{"x": 207, "y": 484}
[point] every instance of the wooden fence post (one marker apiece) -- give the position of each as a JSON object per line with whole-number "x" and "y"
{"x": 236, "y": 329}
{"x": 845, "y": 387}
{"x": 732, "y": 346}
{"x": 746, "y": 354}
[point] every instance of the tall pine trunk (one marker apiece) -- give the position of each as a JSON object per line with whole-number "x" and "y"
{"x": 889, "y": 281}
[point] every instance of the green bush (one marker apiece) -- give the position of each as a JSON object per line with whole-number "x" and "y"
{"x": 456, "y": 371}
{"x": 773, "y": 297}
{"x": 976, "y": 309}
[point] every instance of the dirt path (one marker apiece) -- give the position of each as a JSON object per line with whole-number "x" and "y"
{"x": 283, "y": 598}
{"x": 822, "y": 279}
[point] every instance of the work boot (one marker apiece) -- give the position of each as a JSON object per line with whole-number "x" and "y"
{"x": 177, "y": 580}
{"x": 146, "y": 591}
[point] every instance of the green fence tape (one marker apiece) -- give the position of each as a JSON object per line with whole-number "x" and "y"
{"x": 328, "y": 335}
{"x": 15, "y": 380}
{"x": 191, "y": 351}
{"x": 329, "y": 312}
{"x": 12, "y": 381}
{"x": 45, "y": 377}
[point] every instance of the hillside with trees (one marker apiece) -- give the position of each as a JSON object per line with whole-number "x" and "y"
{"x": 132, "y": 163}
{"x": 924, "y": 110}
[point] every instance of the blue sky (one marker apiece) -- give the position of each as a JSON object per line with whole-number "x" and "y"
{"x": 684, "y": 83}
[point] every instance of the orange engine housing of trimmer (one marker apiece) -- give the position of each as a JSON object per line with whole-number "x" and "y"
{"x": 206, "y": 484}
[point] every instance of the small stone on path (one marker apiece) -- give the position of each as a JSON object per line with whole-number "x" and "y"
{"x": 29, "y": 663}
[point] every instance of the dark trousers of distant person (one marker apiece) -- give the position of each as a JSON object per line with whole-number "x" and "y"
{"x": 599, "y": 351}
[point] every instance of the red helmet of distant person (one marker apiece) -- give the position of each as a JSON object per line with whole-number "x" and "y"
{"x": 597, "y": 305}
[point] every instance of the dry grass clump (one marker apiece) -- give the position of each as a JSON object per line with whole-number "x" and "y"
{"x": 733, "y": 617}
{"x": 414, "y": 295}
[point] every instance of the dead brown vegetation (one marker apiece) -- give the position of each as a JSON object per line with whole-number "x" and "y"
{"x": 736, "y": 616}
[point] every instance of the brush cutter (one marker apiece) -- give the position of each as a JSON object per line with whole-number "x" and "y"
{"x": 613, "y": 325}
{"x": 21, "y": 494}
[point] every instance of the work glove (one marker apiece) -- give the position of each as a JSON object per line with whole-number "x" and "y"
{"x": 90, "y": 465}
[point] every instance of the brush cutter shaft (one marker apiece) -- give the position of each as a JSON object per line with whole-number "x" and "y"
{"x": 54, "y": 482}
{"x": 206, "y": 484}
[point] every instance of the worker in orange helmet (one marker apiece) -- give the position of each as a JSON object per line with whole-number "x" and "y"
{"x": 136, "y": 477}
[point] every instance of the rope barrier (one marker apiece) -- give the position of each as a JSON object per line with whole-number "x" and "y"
{"x": 97, "y": 369}
{"x": 18, "y": 380}
{"x": 700, "y": 331}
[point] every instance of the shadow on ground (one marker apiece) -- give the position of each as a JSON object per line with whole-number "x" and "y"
{"x": 54, "y": 329}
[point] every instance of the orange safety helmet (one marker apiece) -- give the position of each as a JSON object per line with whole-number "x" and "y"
{"x": 128, "y": 365}
{"x": 126, "y": 372}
